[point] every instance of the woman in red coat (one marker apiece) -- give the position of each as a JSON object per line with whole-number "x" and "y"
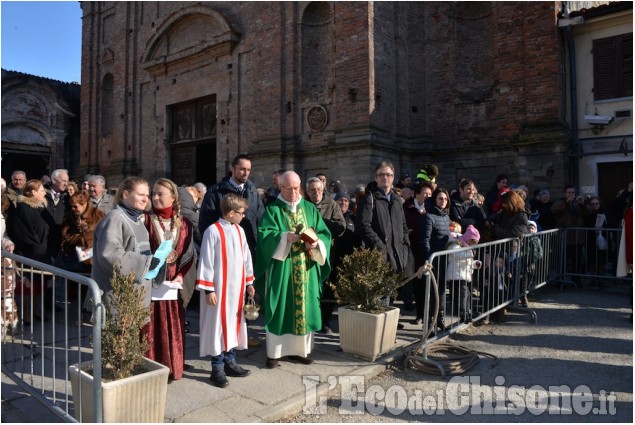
{"x": 166, "y": 330}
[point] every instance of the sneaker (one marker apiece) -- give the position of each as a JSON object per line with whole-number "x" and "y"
{"x": 219, "y": 379}
{"x": 235, "y": 371}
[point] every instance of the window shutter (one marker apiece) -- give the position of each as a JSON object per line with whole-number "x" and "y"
{"x": 613, "y": 67}
{"x": 627, "y": 64}
{"x": 604, "y": 68}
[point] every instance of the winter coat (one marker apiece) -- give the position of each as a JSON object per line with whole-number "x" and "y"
{"x": 190, "y": 211}
{"x": 466, "y": 213}
{"x": 12, "y": 194}
{"x": 491, "y": 196}
{"x": 509, "y": 225}
{"x": 532, "y": 252}
{"x": 414, "y": 220}
{"x": 78, "y": 231}
{"x": 460, "y": 265}
{"x": 569, "y": 215}
{"x": 54, "y": 216}
{"x": 436, "y": 230}
{"x": 28, "y": 229}
{"x": 546, "y": 220}
{"x": 105, "y": 203}
{"x": 210, "y": 209}
{"x": 332, "y": 215}
{"x": 381, "y": 224}
{"x": 121, "y": 241}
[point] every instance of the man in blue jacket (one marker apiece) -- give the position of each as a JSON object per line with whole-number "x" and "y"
{"x": 236, "y": 182}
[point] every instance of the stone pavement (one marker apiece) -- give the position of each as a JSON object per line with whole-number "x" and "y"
{"x": 266, "y": 395}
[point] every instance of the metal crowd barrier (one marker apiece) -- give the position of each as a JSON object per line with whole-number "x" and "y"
{"x": 45, "y": 330}
{"x": 590, "y": 261}
{"x": 505, "y": 272}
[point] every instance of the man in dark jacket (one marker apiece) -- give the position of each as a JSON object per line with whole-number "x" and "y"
{"x": 56, "y": 207}
{"x": 381, "y": 222}
{"x": 237, "y": 182}
{"x": 464, "y": 209}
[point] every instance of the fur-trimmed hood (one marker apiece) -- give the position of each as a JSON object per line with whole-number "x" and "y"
{"x": 30, "y": 201}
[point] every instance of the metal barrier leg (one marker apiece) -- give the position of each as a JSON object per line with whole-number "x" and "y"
{"x": 526, "y": 310}
{"x": 423, "y": 344}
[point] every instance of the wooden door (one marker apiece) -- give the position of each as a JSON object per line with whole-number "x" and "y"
{"x": 183, "y": 165}
{"x": 612, "y": 177}
{"x": 193, "y": 141}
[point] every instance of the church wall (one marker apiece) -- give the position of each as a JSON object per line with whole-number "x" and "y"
{"x": 492, "y": 101}
{"x": 404, "y": 81}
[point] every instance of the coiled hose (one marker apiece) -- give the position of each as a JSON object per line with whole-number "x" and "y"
{"x": 451, "y": 358}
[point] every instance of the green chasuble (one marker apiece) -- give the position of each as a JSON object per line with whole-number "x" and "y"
{"x": 291, "y": 288}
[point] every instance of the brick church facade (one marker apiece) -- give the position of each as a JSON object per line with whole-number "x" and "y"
{"x": 177, "y": 89}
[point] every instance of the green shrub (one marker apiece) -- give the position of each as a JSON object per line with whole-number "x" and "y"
{"x": 122, "y": 345}
{"x": 365, "y": 277}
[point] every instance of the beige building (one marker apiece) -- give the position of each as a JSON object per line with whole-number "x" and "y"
{"x": 602, "y": 104}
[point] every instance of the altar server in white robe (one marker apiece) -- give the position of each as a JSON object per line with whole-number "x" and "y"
{"x": 225, "y": 274}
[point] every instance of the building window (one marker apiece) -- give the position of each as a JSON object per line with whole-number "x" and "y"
{"x": 613, "y": 67}
{"x": 107, "y": 86}
{"x": 317, "y": 50}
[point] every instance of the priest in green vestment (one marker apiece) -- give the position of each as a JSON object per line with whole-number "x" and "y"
{"x": 290, "y": 272}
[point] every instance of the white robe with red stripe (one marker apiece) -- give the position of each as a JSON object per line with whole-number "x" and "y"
{"x": 224, "y": 266}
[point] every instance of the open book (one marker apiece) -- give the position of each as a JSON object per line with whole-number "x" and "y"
{"x": 309, "y": 236}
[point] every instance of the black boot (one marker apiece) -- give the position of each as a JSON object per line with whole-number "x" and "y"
{"x": 219, "y": 379}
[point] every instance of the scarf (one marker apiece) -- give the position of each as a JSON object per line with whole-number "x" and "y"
{"x": 133, "y": 213}
{"x": 164, "y": 213}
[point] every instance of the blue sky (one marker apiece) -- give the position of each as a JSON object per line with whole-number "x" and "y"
{"x": 42, "y": 38}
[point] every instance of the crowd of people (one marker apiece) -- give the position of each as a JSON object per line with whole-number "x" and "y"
{"x": 231, "y": 242}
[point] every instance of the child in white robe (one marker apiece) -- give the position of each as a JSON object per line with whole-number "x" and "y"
{"x": 225, "y": 273}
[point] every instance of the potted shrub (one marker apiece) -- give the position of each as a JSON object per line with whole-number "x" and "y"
{"x": 134, "y": 388}
{"x": 368, "y": 326}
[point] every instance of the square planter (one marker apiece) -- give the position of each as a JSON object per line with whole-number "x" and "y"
{"x": 367, "y": 335}
{"x": 139, "y": 398}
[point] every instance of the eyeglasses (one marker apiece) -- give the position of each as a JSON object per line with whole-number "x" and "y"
{"x": 384, "y": 175}
{"x": 240, "y": 212}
